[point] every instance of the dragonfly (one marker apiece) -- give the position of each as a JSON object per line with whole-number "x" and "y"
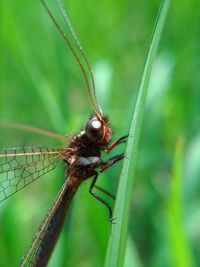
{"x": 81, "y": 156}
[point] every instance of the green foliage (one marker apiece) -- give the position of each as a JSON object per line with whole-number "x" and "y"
{"x": 41, "y": 85}
{"x": 118, "y": 238}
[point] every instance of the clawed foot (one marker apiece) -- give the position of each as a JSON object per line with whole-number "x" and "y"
{"x": 113, "y": 220}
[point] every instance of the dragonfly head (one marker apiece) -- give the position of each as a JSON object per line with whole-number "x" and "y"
{"x": 98, "y": 130}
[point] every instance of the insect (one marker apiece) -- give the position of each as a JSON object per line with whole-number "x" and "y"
{"x": 82, "y": 158}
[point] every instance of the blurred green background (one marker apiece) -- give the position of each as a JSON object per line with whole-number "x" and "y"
{"x": 41, "y": 85}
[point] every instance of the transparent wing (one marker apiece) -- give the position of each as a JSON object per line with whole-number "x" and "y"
{"x": 21, "y": 166}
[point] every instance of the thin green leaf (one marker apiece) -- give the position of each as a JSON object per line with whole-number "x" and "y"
{"x": 179, "y": 247}
{"x": 118, "y": 238}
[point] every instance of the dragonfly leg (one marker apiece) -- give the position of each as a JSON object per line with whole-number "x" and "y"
{"x": 115, "y": 143}
{"x": 104, "y": 191}
{"x": 99, "y": 198}
{"x": 111, "y": 162}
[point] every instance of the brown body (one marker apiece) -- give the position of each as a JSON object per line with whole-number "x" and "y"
{"x": 82, "y": 157}
{"x": 41, "y": 248}
{"x": 85, "y": 151}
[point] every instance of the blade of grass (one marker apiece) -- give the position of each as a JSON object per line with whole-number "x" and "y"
{"x": 118, "y": 238}
{"x": 131, "y": 257}
{"x": 178, "y": 244}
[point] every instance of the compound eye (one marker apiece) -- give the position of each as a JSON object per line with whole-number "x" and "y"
{"x": 94, "y": 129}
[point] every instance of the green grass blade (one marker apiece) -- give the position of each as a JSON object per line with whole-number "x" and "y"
{"x": 118, "y": 238}
{"x": 179, "y": 247}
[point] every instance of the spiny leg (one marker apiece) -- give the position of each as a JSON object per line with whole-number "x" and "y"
{"x": 115, "y": 143}
{"x": 104, "y": 191}
{"x": 99, "y": 198}
{"x": 111, "y": 162}
{"x": 107, "y": 165}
